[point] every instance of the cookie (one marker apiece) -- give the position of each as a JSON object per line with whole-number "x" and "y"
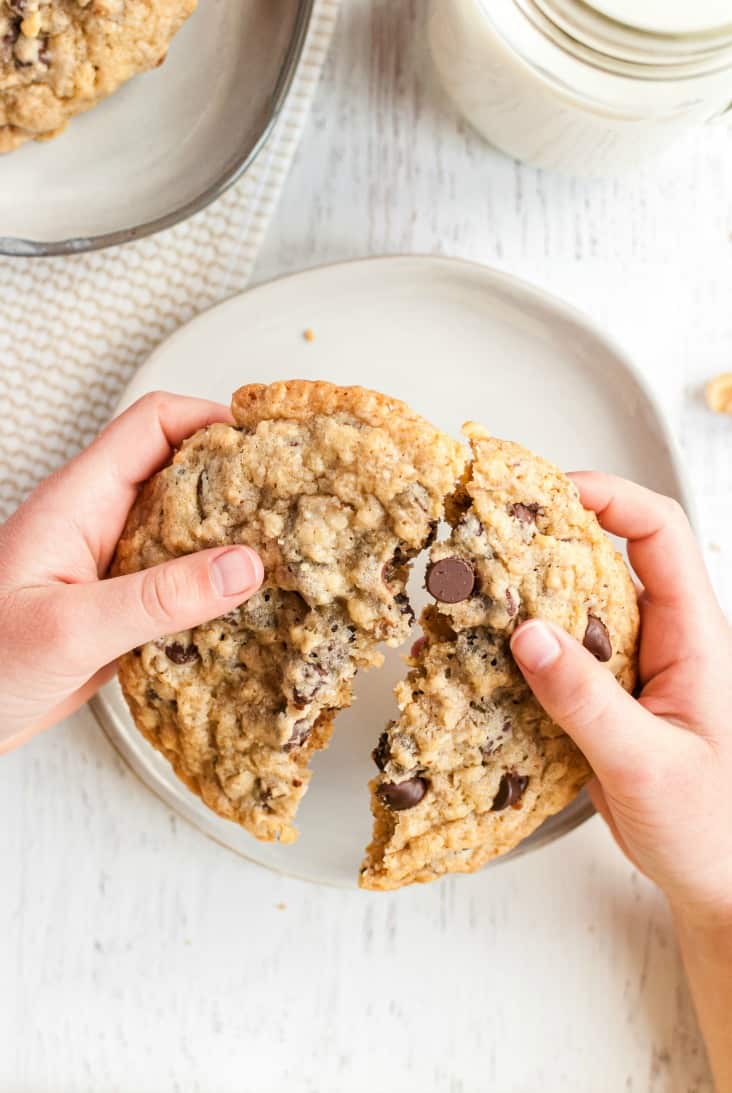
{"x": 473, "y": 764}
{"x": 61, "y": 57}
{"x": 337, "y": 488}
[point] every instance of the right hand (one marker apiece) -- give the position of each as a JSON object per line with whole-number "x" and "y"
{"x": 663, "y": 763}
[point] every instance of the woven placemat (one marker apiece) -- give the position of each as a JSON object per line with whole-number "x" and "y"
{"x": 74, "y": 329}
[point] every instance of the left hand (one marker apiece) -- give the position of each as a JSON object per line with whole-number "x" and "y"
{"x": 61, "y": 624}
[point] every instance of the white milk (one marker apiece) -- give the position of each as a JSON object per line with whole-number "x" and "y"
{"x": 584, "y": 87}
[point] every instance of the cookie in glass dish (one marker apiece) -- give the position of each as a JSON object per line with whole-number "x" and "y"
{"x": 61, "y": 57}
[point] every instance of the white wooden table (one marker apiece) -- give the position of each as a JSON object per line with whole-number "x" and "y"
{"x": 136, "y": 956}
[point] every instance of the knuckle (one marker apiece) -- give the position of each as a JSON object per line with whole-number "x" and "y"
{"x": 153, "y": 405}
{"x": 164, "y": 590}
{"x": 586, "y": 705}
{"x": 153, "y": 399}
{"x": 674, "y": 513}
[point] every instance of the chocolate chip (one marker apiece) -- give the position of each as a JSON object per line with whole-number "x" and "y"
{"x": 418, "y": 646}
{"x": 399, "y": 796}
{"x": 493, "y": 743}
{"x": 431, "y": 535}
{"x": 402, "y": 602}
{"x": 300, "y": 732}
{"x": 200, "y": 489}
{"x": 263, "y": 794}
{"x": 387, "y": 573}
{"x": 181, "y": 654}
{"x": 510, "y": 791}
{"x": 450, "y": 580}
{"x": 381, "y": 753}
{"x": 312, "y": 681}
{"x": 597, "y": 639}
{"x": 402, "y": 555}
{"x": 511, "y": 603}
{"x": 525, "y": 514}
{"x": 8, "y": 41}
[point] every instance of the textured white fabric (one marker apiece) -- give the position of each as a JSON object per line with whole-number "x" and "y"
{"x": 74, "y": 329}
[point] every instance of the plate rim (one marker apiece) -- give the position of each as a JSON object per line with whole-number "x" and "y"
{"x": 21, "y": 247}
{"x": 493, "y": 278}
{"x": 499, "y": 277}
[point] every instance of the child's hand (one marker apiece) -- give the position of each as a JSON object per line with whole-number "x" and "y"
{"x": 663, "y": 764}
{"x": 61, "y": 627}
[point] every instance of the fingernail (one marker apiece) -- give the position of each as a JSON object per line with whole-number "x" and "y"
{"x": 535, "y": 646}
{"x": 237, "y": 570}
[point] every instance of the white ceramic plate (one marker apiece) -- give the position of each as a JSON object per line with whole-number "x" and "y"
{"x": 456, "y": 341}
{"x": 165, "y": 144}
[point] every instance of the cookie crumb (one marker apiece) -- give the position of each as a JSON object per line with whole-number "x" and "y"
{"x": 280, "y": 906}
{"x": 309, "y": 335}
{"x": 715, "y": 548}
{"x": 719, "y": 393}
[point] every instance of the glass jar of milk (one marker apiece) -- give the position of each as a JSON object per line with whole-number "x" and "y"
{"x": 584, "y": 85}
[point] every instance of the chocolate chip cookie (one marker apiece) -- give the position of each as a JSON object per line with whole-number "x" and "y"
{"x": 61, "y": 57}
{"x": 337, "y": 489}
{"x": 473, "y": 764}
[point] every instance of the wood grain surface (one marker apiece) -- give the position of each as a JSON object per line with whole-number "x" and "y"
{"x": 137, "y": 957}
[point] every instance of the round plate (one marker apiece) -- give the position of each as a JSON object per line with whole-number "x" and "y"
{"x": 456, "y": 341}
{"x": 166, "y": 143}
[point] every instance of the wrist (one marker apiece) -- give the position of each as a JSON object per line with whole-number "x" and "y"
{"x": 708, "y": 926}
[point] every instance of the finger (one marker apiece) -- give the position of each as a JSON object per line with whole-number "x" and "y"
{"x": 678, "y": 606}
{"x": 62, "y": 710}
{"x": 143, "y": 437}
{"x": 92, "y": 494}
{"x": 661, "y": 544}
{"x": 98, "y": 621}
{"x": 618, "y": 737}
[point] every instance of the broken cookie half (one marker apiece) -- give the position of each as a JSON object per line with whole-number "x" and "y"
{"x": 473, "y": 764}
{"x": 337, "y": 488}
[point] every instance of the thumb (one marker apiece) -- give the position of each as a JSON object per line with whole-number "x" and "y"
{"x": 104, "y": 619}
{"x": 615, "y": 733}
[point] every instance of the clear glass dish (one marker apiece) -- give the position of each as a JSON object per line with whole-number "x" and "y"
{"x": 166, "y": 144}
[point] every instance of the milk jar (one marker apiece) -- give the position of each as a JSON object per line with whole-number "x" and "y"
{"x": 585, "y": 87}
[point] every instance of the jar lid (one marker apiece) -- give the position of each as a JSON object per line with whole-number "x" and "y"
{"x": 668, "y": 16}
{"x": 586, "y": 28}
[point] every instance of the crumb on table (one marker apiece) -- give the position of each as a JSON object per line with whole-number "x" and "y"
{"x": 719, "y": 393}
{"x": 308, "y": 335}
